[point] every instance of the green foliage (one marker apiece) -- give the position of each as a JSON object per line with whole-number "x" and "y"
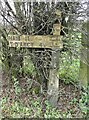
{"x": 69, "y": 71}
{"x": 51, "y": 112}
{"x": 83, "y": 103}
{"x": 69, "y": 58}
{"x": 16, "y": 85}
{"x": 28, "y": 67}
{"x": 34, "y": 109}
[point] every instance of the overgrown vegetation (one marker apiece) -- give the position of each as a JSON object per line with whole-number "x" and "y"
{"x": 24, "y": 100}
{"x": 70, "y": 61}
{"x": 33, "y": 106}
{"x": 25, "y": 71}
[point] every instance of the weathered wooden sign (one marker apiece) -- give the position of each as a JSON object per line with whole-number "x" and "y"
{"x": 36, "y": 41}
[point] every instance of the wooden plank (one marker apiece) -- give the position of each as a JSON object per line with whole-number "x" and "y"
{"x": 35, "y": 41}
{"x": 56, "y": 29}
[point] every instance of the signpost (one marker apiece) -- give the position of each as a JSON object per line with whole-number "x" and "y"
{"x": 52, "y": 42}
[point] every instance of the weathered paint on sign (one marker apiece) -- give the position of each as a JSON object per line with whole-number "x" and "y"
{"x": 35, "y": 41}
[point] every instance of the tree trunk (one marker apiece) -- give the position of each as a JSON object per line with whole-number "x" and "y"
{"x": 84, "y": 63}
